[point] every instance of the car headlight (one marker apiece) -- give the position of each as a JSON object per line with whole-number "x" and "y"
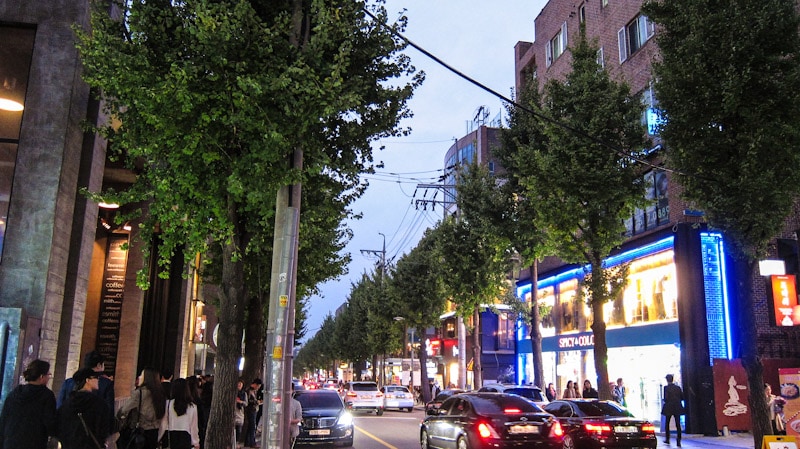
{"x": 345, "y": 419}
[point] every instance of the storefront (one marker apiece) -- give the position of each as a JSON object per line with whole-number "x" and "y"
{"x": 643, "y": 326}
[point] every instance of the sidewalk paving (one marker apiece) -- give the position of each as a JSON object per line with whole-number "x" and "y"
{"x": 734, "y": 440}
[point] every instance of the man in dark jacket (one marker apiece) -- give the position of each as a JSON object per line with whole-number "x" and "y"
{"x": 96, "y": 362}
{"x": 29, "y": 413}
{"x": 84, "y": 420}
{"x": 673, "y": 407}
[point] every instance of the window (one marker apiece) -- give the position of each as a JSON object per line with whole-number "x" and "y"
{"x": 505, "y": 331}
{"x": 556, "y": 46}
{"x": 633, "y": 36}
{"x": 656, "y": 213}
{"x": 601, "y": 60}
{"x": 604, "y": 3}
{"x": 582, "y": 13}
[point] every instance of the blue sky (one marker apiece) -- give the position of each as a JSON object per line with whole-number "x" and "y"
{"x": 477, "y": 39}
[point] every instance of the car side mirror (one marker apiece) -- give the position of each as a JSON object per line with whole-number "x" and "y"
{"x": 431, "y": 411}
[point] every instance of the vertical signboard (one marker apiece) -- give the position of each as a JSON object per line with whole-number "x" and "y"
{"x": 784, "y": 298}
{"x": 731, "y": 395}
{"x": 790, "y": 391}
{"x": 111, "y": 295}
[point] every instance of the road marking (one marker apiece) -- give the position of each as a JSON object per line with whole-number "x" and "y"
{"x": 375, "y": 438}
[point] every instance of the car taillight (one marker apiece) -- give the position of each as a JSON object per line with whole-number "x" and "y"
{"x": 648, "y": 428}
{"x": 597, "y": 429}
{"x": 379, "y": 395}
{"x": 557, "y": 430}
{"x": 485, "y": 430}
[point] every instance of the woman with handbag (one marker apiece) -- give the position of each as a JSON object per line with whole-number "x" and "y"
{"x": 148, "y": 403}
{"x": 179, "y": 425}
{"x": 83, "y": 419}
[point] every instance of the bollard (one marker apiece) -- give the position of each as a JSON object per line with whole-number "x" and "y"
{"x": 725, "y": 431}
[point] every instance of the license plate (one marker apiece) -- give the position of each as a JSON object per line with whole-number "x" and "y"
{"x": 319, "y": 432}
{"x": 516, "y": 429}
{"x": 625, "y": 429}
{"x": 366, "y": 396}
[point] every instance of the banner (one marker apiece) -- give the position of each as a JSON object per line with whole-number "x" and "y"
{"x": 731, "y": 395}
{"x": 790, "y": 391}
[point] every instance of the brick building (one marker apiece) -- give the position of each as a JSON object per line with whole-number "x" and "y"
{"x": 675, "y": 315}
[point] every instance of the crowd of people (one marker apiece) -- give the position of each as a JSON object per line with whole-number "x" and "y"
{"x": 170, "y": 412}
{"x": 573, "y": 391}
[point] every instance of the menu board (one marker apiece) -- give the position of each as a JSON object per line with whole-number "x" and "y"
{"x": 111, "y": 296}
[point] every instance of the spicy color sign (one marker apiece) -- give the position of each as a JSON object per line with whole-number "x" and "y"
{"x": 784, "y": 297}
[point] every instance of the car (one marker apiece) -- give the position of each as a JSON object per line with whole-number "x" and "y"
{"x": 592, "y": 423}
{"x": 530, "y": 392}
{"x": 325, "y": 419}
{"x": 489, "y": 420}
{"x": 297, "y": 384}
{"x": 433, "y": 405}
{"x": 330, "y": 385}
{"x": 397, "y": 396}
{"x": 363, "y": 395}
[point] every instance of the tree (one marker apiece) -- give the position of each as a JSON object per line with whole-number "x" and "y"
{"x": 213, "y": 98}
{"x": 582, "y": 208}
{"x": 416, "y": 293}
{"x": 728, "y": 85}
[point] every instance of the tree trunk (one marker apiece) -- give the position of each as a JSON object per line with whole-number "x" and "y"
{"x": 759, "y": 408}
{"x": 255, "y": 336}
{"x": 423, "y": 368}
{"x": 536, "y": 334}
{"x": 219, "y": 434}
{"x": 598, "y": 290}
{"x": 477, "y": 367}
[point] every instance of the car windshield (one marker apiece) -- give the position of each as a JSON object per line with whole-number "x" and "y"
{"x": 397, "y": 389}
{"x": 501, "y": 404}
{"x": 530, "y": 393}
{"x": 601, "y": 409}
{"x": 365, "y": 387}
{"x": 312, "y": 401}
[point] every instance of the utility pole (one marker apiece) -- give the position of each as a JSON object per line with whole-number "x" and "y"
{"x": 381, "y": 253}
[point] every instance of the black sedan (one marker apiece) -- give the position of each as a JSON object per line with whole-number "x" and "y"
{"x": 489, "y": 420}
{"x": 325, "y": 419}
{"x": 590, "y": 424}
{"x": 436, "y": 402}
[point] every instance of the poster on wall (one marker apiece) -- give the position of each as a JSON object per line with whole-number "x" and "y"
{"x": 790, "y": 392}
{"x": 111, "y": 295}
{"x": 784, "y": 298}
{"x": 731, "y": 395}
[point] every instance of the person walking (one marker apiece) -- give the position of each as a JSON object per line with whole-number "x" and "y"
{"x": 673, "y": 407}
{"x": 150, "y": 394}
{"x": 551, "y": 392}
{"x": 238, "y": 413}
{"x": 84, "y": 419}
{"x": 618, "y": 392}
{"x": 193, "y": 383}
{"x": 105, "y": 390}
{"x": 569, "y": 392}
{"x": 29, "y": 412}
{"x": 179, "y": 426}
{"x": 589, "y": 391}
{"x": 250, "y": 411}
{"x": 296, "y": 420}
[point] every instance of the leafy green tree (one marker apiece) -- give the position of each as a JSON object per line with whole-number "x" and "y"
{"x": 584, "y": 188}
{"x": 728, "y": 83}
{"x": 352, "y": 331}
{"x": 417, "y": 295}
{"x": 213, "y": 98}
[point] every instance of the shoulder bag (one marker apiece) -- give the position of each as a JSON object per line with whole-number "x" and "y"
{"x": 131, "y": 436}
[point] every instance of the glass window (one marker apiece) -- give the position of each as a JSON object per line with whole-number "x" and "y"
{"x": 505, "y": 331}
{"x": 15, "y": 62}
{"x": 556, "y": 46}
{"x": 568, "y": 303}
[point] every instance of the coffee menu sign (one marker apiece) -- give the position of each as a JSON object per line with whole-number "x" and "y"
{"x": 111, "y": 296}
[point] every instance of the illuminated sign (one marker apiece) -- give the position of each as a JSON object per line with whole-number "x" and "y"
{"x": 784, "y": 297}
{"x": 580, "y": 341}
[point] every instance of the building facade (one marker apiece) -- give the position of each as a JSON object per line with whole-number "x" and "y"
{"x": 675, "y": 315}
{"x": 67, "y": 275}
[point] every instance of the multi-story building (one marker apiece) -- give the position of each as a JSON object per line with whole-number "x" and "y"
{"x": 67, "y": 282}
{"x": 675, "y": 315}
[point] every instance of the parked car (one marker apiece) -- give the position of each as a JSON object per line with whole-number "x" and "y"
{"x": 330, "y": 385}
{"x": 490, "y": 420}
{"x": 591, "y": 423}
{"x": 361, "y": 395}
{"x": 397, "y": 396}
{"x": 433, "y": 405}
{"x": 325, "y": 418}
{"x": 529, "y": 392}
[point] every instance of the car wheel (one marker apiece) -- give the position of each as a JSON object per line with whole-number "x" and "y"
{"x": 462, "y": 443}
{"x": 568, "y": 443}
{"x": 410, "y": 409}
{"x": 424, "y": 441}
{"x": 379, "y": 412}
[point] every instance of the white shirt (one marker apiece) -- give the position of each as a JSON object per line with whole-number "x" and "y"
{"x": 186, "y": 422}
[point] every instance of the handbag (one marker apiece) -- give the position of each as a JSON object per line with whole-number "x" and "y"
{"x": 131, "y": 436}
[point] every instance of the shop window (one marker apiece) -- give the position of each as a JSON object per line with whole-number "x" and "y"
{"x": 546, "y": 304}
{"x": 569, "y": 306}
{"x": 505, "y": 332}
{"x": 450, "y": 328}
{"x": 651, "y": 294}
{"x": 15, "y": 62}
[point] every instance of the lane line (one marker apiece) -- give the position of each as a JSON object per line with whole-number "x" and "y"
{"x": 375, "y": 438}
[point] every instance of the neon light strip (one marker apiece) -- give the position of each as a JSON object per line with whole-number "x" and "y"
{"x": 723, "y": 280}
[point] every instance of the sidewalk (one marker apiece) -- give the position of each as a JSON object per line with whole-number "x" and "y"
{"x": 734, "y": 440}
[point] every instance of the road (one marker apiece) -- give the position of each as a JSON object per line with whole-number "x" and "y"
{"x": 393, "y": 430}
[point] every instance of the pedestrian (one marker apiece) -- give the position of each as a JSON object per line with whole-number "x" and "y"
{"x": 193, "y": 383}
{"x": 179, "y": 426}
{"x": 251, "y": 411}
{"x": 618, "y": 392}
{"x": 569, "y": 392}
{"x": 29, "y": 412}
{"x": 673, "y": 407}
{"x": 84, "y": 419}
{"x": 577, "y": 390}
{"x": 238, "y": 413}
{"x": 166, "y": 382}
{"x": 260, "y": 398}
{"x": 551, "y": 392}
{"x": 150, "y": 394}
{"x": 296, "y": 420}
{"x": 776, "y": 413}
{"x": 589, "y": 391}
{"x": 105, "y": 390}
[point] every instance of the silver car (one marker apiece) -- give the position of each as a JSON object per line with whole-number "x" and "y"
{"x": 361, "y": 395}
{"x": 397, "y": 396}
